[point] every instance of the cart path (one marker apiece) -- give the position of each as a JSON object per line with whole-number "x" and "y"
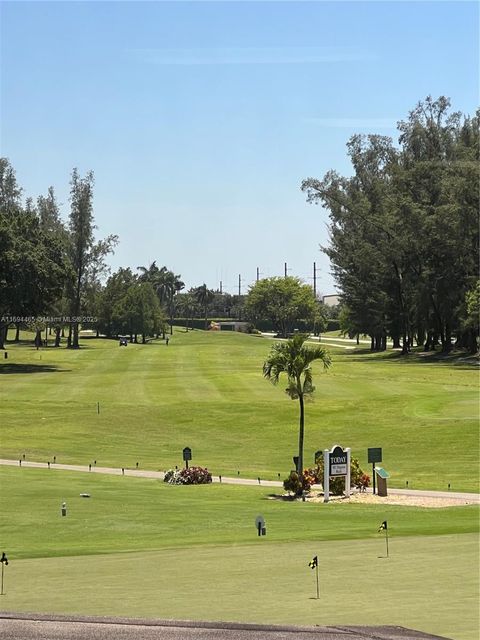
{"x": 159, "y": 475}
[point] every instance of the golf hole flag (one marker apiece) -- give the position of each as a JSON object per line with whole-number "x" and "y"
{"x": 313, "y": 564}
{"x": 4, "y": 561}
{"x": 384, "y": 527}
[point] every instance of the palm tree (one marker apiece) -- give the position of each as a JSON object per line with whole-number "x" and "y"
{"x": 169, "y": 285}
{"x": 166, "y": 285}
{"x": 150, "y": 273}
{"x": 294, "y": 358}
{"x": 204, "y": 297}
{"x": 187, "y": 305}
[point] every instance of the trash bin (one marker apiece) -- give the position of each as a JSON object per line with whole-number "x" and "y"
{"x": 382, "y": 476}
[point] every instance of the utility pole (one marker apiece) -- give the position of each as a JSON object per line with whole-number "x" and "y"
{"x": 315, "y": 279}
{"x": 258, "y": 274}
{"x": 221, "y": 287}
{"x": 239, "y": 284}
{"x": 285, "y": 269}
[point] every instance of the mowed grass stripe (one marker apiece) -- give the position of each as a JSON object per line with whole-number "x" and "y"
{"x": 426, "y": 584}
{"x": 206, "y": 390}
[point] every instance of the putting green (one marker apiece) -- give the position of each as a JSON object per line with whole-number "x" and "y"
{"x": 427, "y": 583}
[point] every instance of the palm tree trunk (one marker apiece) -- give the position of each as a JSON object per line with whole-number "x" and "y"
{"x": 301, "y": 436}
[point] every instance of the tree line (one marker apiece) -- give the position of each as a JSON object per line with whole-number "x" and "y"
{"x": 403, "y": 249}
{"x": 54, "y": 276}
{"x": 404, "y": 241}
{"x": 54, "y": 273}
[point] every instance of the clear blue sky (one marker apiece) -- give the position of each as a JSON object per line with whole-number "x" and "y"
{"x": 200, "y": 119}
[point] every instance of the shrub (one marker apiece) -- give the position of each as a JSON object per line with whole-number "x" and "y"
{"x": 310, "y": 476}
{"x": 297, "y": 485}
{"x": 195, "y": 475}
{"x": 363, "y": 482}
{"x": 172, "y": 476}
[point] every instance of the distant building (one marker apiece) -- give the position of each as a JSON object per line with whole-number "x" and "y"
{"x": 234, "y": 325}
{"x": 331, "y": 300}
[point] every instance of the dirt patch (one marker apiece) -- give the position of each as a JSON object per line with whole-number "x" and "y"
{"x": 399, "y": 500}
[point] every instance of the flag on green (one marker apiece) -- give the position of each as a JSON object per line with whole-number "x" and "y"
{"x": 383, "y": 526}
{"x": 313, "y": 563}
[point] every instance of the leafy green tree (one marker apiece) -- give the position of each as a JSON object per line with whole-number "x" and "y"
{"x": 81, "y": 226}
{"x": 320, "y": 318}
{"x": 32, "y": 257}
{"x": 404, "y": 228}
{"x": 294, "y": 359}
{"x": 87, "y": 258}
{"x": 470, "y": 320}
{"x": 140, "y": 311}
{"x": 130, "y": 306}
{"x": 283, "y": 301}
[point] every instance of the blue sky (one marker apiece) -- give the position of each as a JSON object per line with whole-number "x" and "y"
{"x": 200, "y": 119}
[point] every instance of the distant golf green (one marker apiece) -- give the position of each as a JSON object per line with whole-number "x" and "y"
{"x": 206, "y": 391}
{"x": 195, "y": 553}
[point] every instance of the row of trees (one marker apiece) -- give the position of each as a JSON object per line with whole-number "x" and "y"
{"x": 404, "y": 230}
{"x": 48, "y": 266}
{"x": 403, "y": 248}
{"x": 53, "y": 272}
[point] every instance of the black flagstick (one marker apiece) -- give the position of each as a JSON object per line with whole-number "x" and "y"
{"x": 4, "y": 561}
{"x": 384, "y": 527}
{"x": 313, "y": 564}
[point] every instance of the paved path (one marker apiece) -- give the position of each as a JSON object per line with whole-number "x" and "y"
{"x": 145, "y": 473}
{"x": 343, "y": 343}
{"x": 52, "y": 627}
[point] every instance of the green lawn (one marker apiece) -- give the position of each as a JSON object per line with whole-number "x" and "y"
{"x": 139, "y": 547}
{"x": 206, "y": 391}
{"x": 136, "y": 514}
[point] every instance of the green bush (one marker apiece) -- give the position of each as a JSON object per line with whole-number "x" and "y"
{"x": 297, "y": 485}
{"x": 293, "y": 483}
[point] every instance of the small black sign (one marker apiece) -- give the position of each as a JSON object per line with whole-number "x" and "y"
{"x": 375, "y": 454}
{"x": 187, "y": 454}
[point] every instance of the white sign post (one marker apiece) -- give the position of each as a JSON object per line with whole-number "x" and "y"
{"x": 336, "y": 463}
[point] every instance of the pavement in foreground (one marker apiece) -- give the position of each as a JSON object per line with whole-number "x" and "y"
{"x": 52, "y": 627}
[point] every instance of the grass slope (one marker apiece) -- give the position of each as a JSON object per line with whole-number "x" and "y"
{"x": 206, "y": 391}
